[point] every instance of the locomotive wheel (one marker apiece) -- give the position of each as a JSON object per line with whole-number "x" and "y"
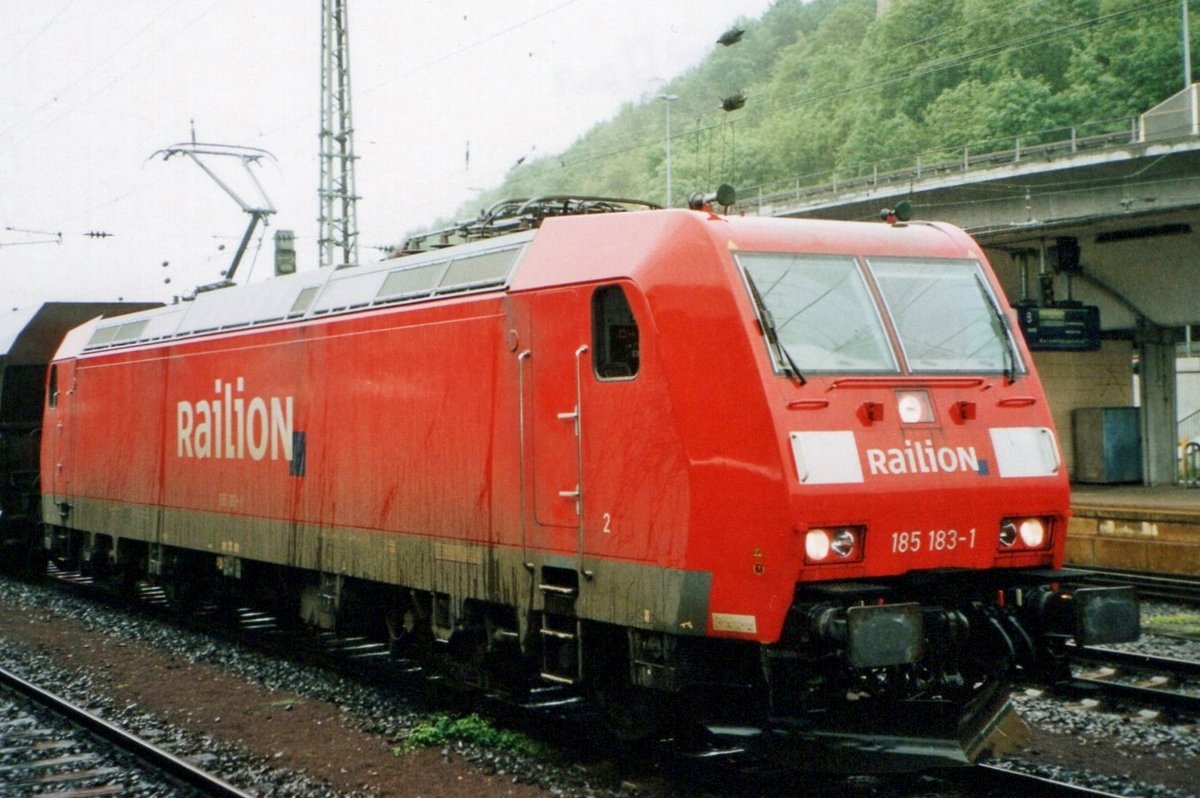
{"x": 463, "y": 659}
{"x": 401, "y": 631}
{"x": 187, "y": 580}
{"x": 183, "y": 592}
{"x": 631, "y": 714}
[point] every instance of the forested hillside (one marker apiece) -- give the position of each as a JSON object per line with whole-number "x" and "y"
{"x": 828, "y": 86}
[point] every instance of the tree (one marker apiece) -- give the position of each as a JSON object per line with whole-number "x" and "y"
{"x": 832, "y": 87}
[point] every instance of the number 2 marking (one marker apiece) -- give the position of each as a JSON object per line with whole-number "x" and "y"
{"x": 608, "y": 523}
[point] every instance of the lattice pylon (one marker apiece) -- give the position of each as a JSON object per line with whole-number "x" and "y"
{"x": 338, "y": 219}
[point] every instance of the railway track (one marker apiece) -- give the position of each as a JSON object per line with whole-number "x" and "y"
{"x": 995, "y": 780}
{"x": 1151, "y": 676}
{"x": 372, "y": 660}
{"x": 50, "y": 746}
{"x": 1149, "y": 585}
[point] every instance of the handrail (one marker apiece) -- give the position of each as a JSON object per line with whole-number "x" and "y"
{"x": 579, "y": 353}
{"x": 974, "y": 156}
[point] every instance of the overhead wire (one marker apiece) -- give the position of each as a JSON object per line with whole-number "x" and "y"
{"x": 1021, "y": 42}
{"x": 907, "y": 73}
{"x": 311, "y": 115}
{"x": 471, "y": 46}
{"x": 435, "y": 61}
{"x": 81, "y": 79}
{"x": 21, "y": 51}
{"x": 912, "y": 72}
{"x": 1000, "y": 12}
{"x": 96, "y": 93}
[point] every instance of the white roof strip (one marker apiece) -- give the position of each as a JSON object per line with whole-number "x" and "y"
{"x": 347, "y": 289}
{"x": 480, "y": 266}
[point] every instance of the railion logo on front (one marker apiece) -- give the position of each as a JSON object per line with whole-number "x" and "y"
{"x": 922, "y": 457}
{"x": 233, "y": 426}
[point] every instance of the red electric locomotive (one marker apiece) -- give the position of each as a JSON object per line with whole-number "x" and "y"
{"x": 793, "y": 481}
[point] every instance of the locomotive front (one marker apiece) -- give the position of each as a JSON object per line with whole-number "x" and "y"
{"x": 926, "y": 498}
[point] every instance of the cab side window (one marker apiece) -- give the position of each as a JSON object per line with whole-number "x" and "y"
{"x": 614, "y": 335}
{"x": 53, "y": 390}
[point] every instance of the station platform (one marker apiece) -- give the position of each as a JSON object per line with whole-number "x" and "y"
{"x": 1135, "y": 527}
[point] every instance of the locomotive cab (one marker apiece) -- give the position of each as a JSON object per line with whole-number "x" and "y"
{"x": 918, "y": 513}
{"x": 832, "y": 446}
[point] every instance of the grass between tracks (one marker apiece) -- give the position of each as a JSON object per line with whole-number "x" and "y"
{"x": 1185, "y": 624}
{"x": 441, "y": 729}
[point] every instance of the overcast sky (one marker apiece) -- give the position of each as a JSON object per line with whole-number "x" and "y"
{"x": 91, "y": 89}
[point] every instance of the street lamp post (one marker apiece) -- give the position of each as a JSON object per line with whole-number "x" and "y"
{"x": 668, "y": 99}
{"x": 1193, "y": 122}
{"x": 1187, "y": 47}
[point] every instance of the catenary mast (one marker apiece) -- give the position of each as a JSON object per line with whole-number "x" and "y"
{"x": 338, "y": 236}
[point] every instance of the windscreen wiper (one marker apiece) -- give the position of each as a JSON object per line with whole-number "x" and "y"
{"x": 1010, "y": 357}
{"x": 768, "y": 325}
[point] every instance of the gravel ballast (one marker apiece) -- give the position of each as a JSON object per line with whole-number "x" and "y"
{"x": 282, "y": 728}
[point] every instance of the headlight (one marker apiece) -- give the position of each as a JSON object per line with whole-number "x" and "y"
{"x": 914, "y": 407}
{"x": 1024, "y": 534}
{"x": 838, "y": 544}
{"x": 843, "y": 543}
{"x": 1033, "y": 533}
{"x": 816, "y": 545}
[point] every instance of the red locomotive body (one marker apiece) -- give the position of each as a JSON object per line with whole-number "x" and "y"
{"x": 741, "y": 467}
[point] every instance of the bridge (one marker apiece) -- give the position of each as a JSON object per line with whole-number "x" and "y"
{"x": 1105, "y": 215}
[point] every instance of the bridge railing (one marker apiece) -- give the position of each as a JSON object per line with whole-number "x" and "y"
{"x": 1045, "y": 145}
{"x": 1188, "y": 433}
{"x": 1189, "y": 427}
{"x": 1189, "y": 470}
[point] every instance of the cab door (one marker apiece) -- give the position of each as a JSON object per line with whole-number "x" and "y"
{"x": 57, "y": 431}
{"x": 557, "y": 360}
{"x": 590, "y": 416}
{"x": 628, "y": 456}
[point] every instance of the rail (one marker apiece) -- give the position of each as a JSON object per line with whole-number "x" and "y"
{"x": 1016, "y": 782}
{"x": 1146, "y": 696}
{"x": 1149, "y": 585}
{"x": 1046, "y": 145}
{"x": 177, "y": 769}
{"x": 1133, "y": 660}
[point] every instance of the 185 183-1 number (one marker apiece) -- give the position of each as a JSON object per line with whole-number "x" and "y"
{"x": 911, "y": 542}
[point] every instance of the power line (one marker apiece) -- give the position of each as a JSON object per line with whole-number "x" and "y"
{"x": 74, "y": 82}
{"x": 62, "y": 10}
{"x": 932, "y": 66}
{"x": 917, "y": 71}
{"x": 307, "y": 117}
{"x": 976, "y": 22}
{"x": 96, "y": 94}
{"x": 48, "y": 236}
{"x": 468, "y": 47}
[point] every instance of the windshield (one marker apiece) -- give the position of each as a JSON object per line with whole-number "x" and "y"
{"x": 945, "y": 315}
{"x": 819, "y": 311}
